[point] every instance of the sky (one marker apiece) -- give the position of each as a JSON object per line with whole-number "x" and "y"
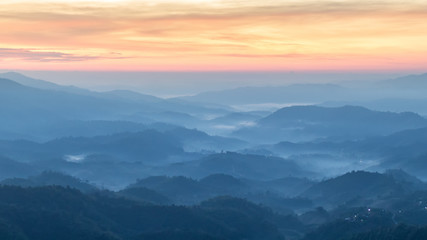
{"x": 213, "y": 35}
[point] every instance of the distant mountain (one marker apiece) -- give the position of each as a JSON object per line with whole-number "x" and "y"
{"x": 297, "y": 93}
{"x": 35, "y": 83}
{"x": 26, "y": 108}
{"x": 361, "y": 187}
{"x": 183, "y": 190}
{"x": 408, "y": 181}
{"x": 180, "y": 189}
{"x": 149, "y": 145}
{"x": 29, "y": 112}
{"x": 126, "y": 141}
{"x": 414, "y": 82}
{"x": 145, "y": 195}
{"x": 289, "y": 187}
{"x": 49, "y": 178}
{"x": 145, "y": 146}
{"x": 221, "y": 180}
{"x": 195, "y": 141}
{"x": 41, "y": 84}
{"x": 303, "y": 123}
{"x": 346, "y": 116}
{"x": 10, "y": 168}
{"x": 238, "y": 165}
{"x": 234, "y": 117}
{"x": 132, "y": 96}
{"x": 393, "y": 104}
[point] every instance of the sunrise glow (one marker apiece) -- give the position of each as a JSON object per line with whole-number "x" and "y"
{"x": 195, "y": 35}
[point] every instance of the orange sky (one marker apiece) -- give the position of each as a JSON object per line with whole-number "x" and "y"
{"x": 192, "y": 35}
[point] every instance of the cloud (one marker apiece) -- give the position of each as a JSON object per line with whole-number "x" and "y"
{"x": 219, "y": 33}
{"x": 44, "y": 56}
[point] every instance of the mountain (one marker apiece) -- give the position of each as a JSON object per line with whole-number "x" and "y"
{"x": 47, "y": 213}
{"x": 31, "y": 112}
{"x": 352, "y": 222}
{"x": 32, "y": 82}
{"x": 197, "y": 141}
{"x": 410, "y": 82}
{"x": 392, "y": 104}
{"x": 10, "y": 168}
{"x": 26, "y": 108}
{"x": 223, "y": 184}
{"x": 132, "y": 96}
{"x": 41, "y": 84}
{"x": 297, "y": 93}
{"x": 145, "y": 195}
{"x": 49, "y": 178}
{"x": 145, "y": 146}
{"x": 149, "y": 145}
{"x": 346, "y": 116}
{"x": 123, "y": 140}
{"x": 304, "y": 123}
{"x": 182, "y": 190}
{"x": 238, "y": 165}
{"x": 360, "y": 186}
{"x": 400, "y": 232}
{"x": 286, "y": 187}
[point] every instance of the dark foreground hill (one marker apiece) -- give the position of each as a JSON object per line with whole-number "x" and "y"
{"x": 61, "y": 213}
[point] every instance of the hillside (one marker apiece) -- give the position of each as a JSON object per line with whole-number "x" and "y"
{"x": 60, "y": 213}
{"x": 361, "y": 187}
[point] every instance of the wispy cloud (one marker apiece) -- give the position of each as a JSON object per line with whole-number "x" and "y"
{"x": 223, "y": 34}
{"x": 48, "y": 56}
